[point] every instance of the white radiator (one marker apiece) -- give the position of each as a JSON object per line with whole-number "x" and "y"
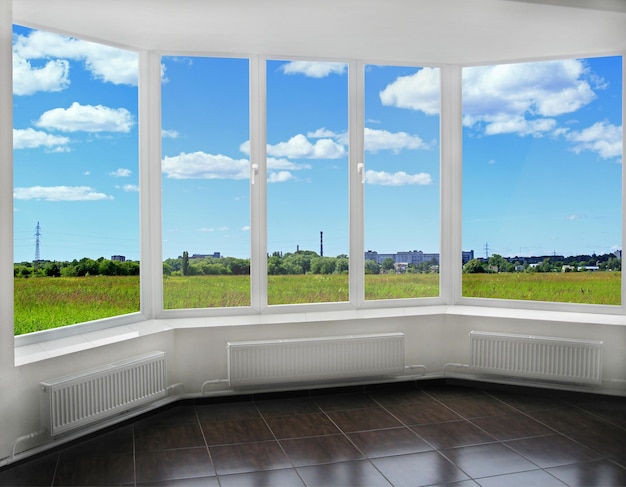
{"x": 536, "y": 357}
{"x": 315, "y": 359}
{"x": 87, "y": 397}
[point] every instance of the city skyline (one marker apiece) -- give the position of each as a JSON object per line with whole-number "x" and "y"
{"x": 541, "y": 152}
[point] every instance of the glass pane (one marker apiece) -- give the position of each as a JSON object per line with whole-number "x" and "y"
{"x": 206, "y": 182}
{"x": 542, "y": 172}
{"x": 401, "y": 182}
{"x": 307, "y": 175}
{"x": 76, "y": 205}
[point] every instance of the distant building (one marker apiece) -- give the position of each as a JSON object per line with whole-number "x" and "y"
{"x": 414, "y": 257}
{"x": 215, "y": 255}
{"x": 618, "y": 254}
{"x": 119, "y": 258}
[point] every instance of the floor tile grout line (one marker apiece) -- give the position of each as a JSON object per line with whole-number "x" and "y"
{"x": 206, "y": 444}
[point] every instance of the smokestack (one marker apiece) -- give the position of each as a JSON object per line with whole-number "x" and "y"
{"x": 321, "y": 244}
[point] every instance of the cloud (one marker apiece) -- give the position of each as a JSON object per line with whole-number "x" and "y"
{"x": 31, "y": 139}
{"x": 321, "y": 133}
{"x": 523, "y": 98}
{"x": 376, "y": 140}
{"x": 399, "y": 178}
{"x": 169, "y": 134}
{"x": 121, "y": 173}
{"x": 130, "y": 188}
{"x": 602, "y": 137}
{"x": 273, "y": 163}
{"x": 105, "y": 63}
{"x": 59, "y": 193}
{"x": 200, "y": 165}
{"x": 87, "y": 118}
{"x": 418, "y": 91}
{"x": 245, "y": 228}
{"x": 299, "y": 147}
{"x": 279, "y": 177}
{"x": 53, "y": 76}
{"x": 313, "y": 69}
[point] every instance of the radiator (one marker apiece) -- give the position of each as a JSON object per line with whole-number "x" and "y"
{"x": 536, "y": 357}
{"x": 315, "y": 359}
{"x": 87, "y": 397}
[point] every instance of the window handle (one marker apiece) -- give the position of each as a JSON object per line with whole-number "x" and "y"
{"x": 254, "y": 171}
{"x": 360, "y": 167}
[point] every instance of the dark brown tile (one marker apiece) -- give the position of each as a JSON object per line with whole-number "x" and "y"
{"x": 341, "y": 402}
{"x": 320, "y": 449}
{"x": 302, "y": 425}
{"x": 287, "y": 407}
{"x": 170, "y": 415}
{"x": 552, "y": 451}
{"x": 168, "y": 437}
{"x": 388, "y": 442}
{"x": 248, "y": 457}
{"x": 434, "y": 412}
{"x": 512, "y": 426}
{"x": 597, "y": 473}
{"x": 353, "y": 474}
{"x": 453, "y": 434}
{"x": 533, "y": 478}
{"x": 95, "y": 469}
{"x": 115, "y": 441}
{"x": 229, "y": 432}
{"x": 488, "y": 460}
{"x": 275, "y": 478}
{"x": 36, "y": 472}
{"x": 476, "y": 405}
{"x": 363, "y": 419}
{"x": 610, "y": 409}
{"x": 401, "y": 397}
{"x": 187, "y": 463}
{"x": 418, "y": 469}
{"x": 237, "y": 411}
{"x": 195, "y": 482}
{"x": 529, "y": 402}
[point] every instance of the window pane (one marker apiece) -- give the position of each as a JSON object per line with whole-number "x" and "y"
{"x": 76, "y": 200}
{"x": 307, "y": 175}
{"x": 542, "y": 172}
{"x": 401, "y": 182}
{"x": 206, "y": 182}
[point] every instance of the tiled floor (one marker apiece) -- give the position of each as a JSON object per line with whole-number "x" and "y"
{"x": 411, "y": 434}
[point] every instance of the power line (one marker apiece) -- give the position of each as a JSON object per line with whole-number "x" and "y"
{"x": 37, "y": 243}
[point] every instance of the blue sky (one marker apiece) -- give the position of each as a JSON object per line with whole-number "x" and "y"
{"x": 542, "y": 155}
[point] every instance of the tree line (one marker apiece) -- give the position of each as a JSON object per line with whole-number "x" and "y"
{"x": 77, "y": 268}
{"x": 556, "y": 263}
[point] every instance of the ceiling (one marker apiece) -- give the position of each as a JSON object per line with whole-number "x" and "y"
{"x": 403, "y": 31}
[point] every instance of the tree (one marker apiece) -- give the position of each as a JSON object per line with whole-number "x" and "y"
{"x": 388, "y": 264}
{"x": 372, "y": 267}
{"x": 474, "y": 266}
{"x": 185, "y": 264}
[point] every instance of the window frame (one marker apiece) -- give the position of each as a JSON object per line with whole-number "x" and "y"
{"x": 150, "y": 156}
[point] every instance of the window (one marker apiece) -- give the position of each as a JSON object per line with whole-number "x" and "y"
{"x": 206, "y": 182}
{"x": 542, "y": 173}
{"x": 76, "y": 215}
{"x": 307, "y": 176}
{"x": 401, "y": 182}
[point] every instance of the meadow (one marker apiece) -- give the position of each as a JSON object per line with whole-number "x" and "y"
{"x": 43, "y": 303}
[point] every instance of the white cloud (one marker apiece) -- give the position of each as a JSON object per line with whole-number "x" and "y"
{"x": 87, "y": 118}
{"x": 399, "y": 178}
{"x": 279, "y": 177}
{"x": 169, "y": 134}
{"x": 321, "y": 133}
{"x": 602, "y": 137}
{"x": 31, "y": 139}
{"x": 284, "y": 164}
{"x": 130, "y": 188}
{"x": 59, "y": 193}
{"x": 246, "y": 228}
{"x": 418, "y": 91}
{"x": 313, "y": 69}
{"x": 376, "y": 140}
{"x": 200, "y": 165}
{"x": 121, "y": 173}
{"x": 521, "y": 98}
{"x": 299, "y": 147}
{"x": 106, "y": 63}
{"x": 53, "y": 76}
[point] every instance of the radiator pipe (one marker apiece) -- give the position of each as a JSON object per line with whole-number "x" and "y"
{"x": 461, "y": 366}
{"x": 413, "y": 367}
{"x": 29, "y": 436}
{"x": 212, "y": 381}
{"x": 176, "y": 386}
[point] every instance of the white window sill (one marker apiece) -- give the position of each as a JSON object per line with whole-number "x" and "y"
{"x": 28, "y": 352}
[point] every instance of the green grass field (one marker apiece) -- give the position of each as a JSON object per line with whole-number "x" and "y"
{"x": 43, "y": 303}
